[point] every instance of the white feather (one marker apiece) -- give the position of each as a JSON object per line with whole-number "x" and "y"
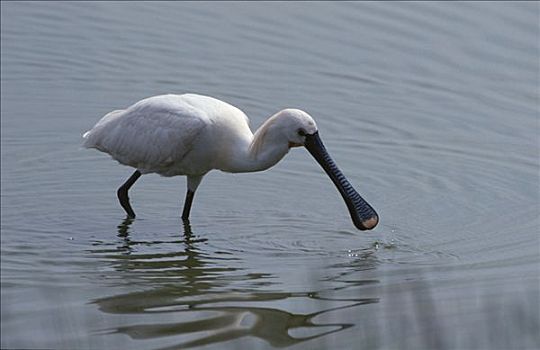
{"x": 157, "y": 133}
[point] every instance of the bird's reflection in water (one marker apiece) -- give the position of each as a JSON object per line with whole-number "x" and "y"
{"x": 123, "y": 233}
{"x": 196, "y": 287}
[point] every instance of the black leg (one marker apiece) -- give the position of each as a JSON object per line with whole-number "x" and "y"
{"x": 123, "y": 193}
{"x": 187, "y": 204}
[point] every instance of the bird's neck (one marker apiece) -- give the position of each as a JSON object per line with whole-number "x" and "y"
{"x": 267, "y": 147}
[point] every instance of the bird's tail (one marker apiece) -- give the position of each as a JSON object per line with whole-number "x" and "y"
{"x": 89, "y": 141}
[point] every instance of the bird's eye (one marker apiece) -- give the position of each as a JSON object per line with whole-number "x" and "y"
{"x": 301, "y": 132}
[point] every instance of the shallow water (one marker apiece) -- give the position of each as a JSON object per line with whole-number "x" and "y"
{"x": 429, "y": 108}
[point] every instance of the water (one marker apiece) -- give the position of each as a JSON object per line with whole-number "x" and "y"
{"x": 429, "y": 108}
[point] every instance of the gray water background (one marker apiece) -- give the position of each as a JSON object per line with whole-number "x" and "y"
{"x": 429, "y": 108}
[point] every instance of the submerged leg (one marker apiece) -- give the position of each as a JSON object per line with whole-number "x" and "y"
{"x": 187, "y": 205}
{"x": 123, "y": 193}
{"x": 192, "y": 184}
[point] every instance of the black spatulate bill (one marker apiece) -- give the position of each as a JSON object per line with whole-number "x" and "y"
{"x": 363, "y": 215}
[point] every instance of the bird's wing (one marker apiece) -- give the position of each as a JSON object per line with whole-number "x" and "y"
{"x": 148, "y": 135}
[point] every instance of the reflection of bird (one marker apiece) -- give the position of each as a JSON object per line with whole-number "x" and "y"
{"x": 192, "y": 134}
{"x": 207, "y": 323}
{"x": 186, "y": 280}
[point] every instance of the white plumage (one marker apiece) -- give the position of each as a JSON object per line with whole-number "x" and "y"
{"x": 192, "y": 134}
{"x": 157, "y": 134}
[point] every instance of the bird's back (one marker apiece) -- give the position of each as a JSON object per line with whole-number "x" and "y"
{"x": 157, "y": 133}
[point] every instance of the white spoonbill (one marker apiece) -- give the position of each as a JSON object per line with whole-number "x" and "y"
{"x": 192, "y": 134}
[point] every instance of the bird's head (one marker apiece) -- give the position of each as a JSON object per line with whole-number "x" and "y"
{"x": 296, "y": 124}
{"x": 301, "y": 130}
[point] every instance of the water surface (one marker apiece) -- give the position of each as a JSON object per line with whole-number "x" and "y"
{"x": 429, "y": 108}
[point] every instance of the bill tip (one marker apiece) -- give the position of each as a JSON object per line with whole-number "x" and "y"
{"x": 370, "y": 223}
